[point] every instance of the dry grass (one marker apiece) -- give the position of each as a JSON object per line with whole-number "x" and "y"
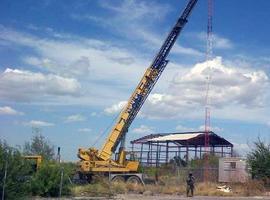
{"x": 167, "y": 186}
{"x": 250, "y": 188}
{"x": 119, "y": 188}
{"x": 91, "y": 190}
{"x": 134, "y": 188}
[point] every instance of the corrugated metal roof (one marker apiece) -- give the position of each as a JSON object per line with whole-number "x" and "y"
{"x": 192, "y": 138}
{"x": 175, "y": 137}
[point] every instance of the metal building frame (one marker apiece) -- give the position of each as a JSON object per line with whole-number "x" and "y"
{"x": 157, "y": 149}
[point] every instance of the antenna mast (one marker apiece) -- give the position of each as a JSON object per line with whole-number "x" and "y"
{"x": 209, "y": 56}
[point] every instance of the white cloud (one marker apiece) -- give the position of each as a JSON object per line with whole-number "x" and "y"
{"x": 85, "y": 130}
{"x": 219, "y": 42}
{"x": 156, "y": 98}
{"x": 143, "y": 129}
{"x": 154, "y": 41}
{"x": 215, "y": 129}
{"x": 229, "y": 84}
{"x": 21, "y": 85}
{"x": 87, "y": 17}
{"x": 78, "y": 67}
{"x": 75, "y": 118}
{"x": 37, "y": 123}
{"x": 230, "y": 88}
{"x": 235, "y": 93}
{"x": 74, "y": 56}
{"x": 241, "y": 148}
{"x": 93, "y": 114}
{"x": 178, "y": 49}
{"x": 141, "y": 10}
{"x": 182, "y": 128}
{"x": 70, "y": 56}
{"x": 88, "y": 60}
{"x": 136, "y": 25}
{"x": 6, "y": 110}
{"x": 115, "y": 108}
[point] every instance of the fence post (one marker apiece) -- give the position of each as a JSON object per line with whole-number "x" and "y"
{"x": 110, "y": 180}
{"x": 61, "y": 182}
{"x": 4, "y": 181}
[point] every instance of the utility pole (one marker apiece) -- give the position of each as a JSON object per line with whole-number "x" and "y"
{"x": 4, "y": 181}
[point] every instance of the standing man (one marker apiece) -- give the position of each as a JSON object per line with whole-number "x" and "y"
{"x": 190, "y": 184}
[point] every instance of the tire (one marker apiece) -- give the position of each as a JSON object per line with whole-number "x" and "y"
{"x": 118, "y": 179}
{"x": 81, "y": 179}
{"x": 134, "y": 180}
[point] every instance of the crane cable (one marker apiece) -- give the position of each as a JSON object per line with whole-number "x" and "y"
{"x": 102, "y": 132}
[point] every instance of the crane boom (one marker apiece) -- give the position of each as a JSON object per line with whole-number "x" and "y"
{"x": 144, "y": 87}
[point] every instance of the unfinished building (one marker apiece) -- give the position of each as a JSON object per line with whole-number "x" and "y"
{"x": 157, "y": 149}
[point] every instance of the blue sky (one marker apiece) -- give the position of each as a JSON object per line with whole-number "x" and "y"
{"x": 68, "y": 67}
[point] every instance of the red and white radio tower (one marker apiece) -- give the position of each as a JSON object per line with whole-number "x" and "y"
{"x": 209, "y": 56}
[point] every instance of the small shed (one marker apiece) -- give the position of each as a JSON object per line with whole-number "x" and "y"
{"x": 156, "y": 149}
{"x": 232, "y": 169}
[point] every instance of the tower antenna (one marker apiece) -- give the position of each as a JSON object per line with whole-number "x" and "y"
{"x": 209, "y": 56}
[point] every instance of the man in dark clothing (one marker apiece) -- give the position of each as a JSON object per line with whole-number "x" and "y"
{"x": 190, "y": 184}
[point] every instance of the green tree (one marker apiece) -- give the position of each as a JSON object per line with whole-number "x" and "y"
{"x": 17, "y": 184}
{"x": 46, "y": 181}
{"x": 199, "y": 163}
{"x": 259, "y": 161}
{"x": 39, "y": 145}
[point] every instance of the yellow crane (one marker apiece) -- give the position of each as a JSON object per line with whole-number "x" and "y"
{"x": 93, "y": 161}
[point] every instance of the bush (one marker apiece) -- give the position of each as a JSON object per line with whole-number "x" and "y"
{"x": 17, "y": 181}
{"x": 259, "y": 161}
{"x": 46, "y": 181}
{"x": 199, "y": 163}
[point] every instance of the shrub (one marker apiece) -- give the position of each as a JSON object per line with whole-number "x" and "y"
{"x": 17, "y": 184}
{"x": 46, "y": 181}
{"x": 259, "y": 161}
